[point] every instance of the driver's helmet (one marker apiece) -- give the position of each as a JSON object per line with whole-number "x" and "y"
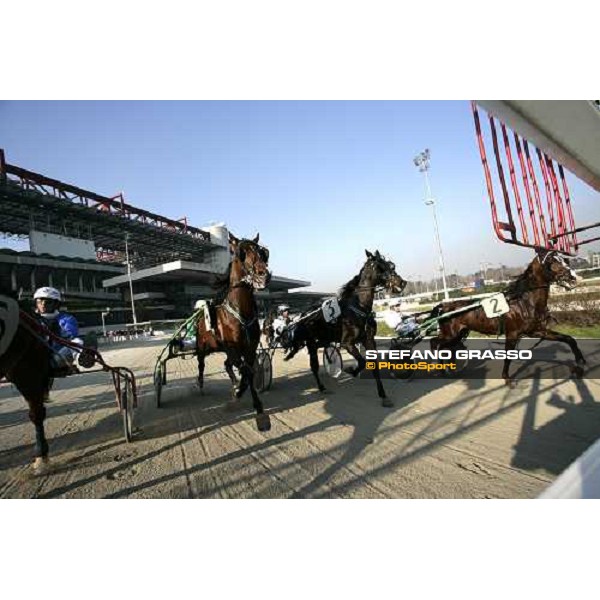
{"x": 282, "y": 308}
{"x": 199, "y": 304}
{"x": 47, "y": 292}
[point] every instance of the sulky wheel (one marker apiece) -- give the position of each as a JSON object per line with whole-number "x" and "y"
{"x": 127, "y": 408}
{"x": 402, "y": 375}
{"x": 158, "y": 384}
{"x": 332, "y": 361}
{"x": 461, "y": 363}
{"x": 263, "y": 371}
{"x": 160, "y": 379}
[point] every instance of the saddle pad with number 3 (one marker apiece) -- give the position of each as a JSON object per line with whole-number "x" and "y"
{"x": 9, "y": 321}
{"x": 331, "y": 310}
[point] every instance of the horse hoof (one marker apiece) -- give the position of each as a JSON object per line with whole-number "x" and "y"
{"x": 387, "y": 403}
{"x": 233, "y": 405}
{"x": 350, "y": 371}
{"x": 577, "y": 371}
{"x": 41, "y": 464}
{"x": 511, "y": 383}
{"x": 263, "y": 422}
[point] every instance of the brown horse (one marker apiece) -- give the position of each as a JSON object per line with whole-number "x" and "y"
{"x": 355, "y": 324}
{"x": 237, "y": 332}
{"x": 528, "y": 315}
{"x": 26, "y": 364}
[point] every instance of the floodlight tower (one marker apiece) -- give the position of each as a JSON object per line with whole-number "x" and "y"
{"x": 130, "y": 281}
{"x": 421, "y": 161}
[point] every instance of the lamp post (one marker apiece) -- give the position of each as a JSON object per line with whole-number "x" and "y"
{"x": 421, "y": 161}
{"x": 104, "y": 314}
{"x": 484, "y": 265}
{"x": 130, "y": 281}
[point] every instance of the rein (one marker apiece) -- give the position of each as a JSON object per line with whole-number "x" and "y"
{"x": 233, "y": 311}
{"x": 39, "y": 331}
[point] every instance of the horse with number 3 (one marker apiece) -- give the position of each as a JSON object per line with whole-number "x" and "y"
{"x": 347, "y": 319}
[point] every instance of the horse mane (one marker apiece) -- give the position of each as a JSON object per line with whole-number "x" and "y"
{"x": 348, "y": 288}
{"x": 221, "y": 284}
{"x": 519, "y": 285}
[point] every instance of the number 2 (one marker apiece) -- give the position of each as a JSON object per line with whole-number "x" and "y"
{"x": 495, "y": 305}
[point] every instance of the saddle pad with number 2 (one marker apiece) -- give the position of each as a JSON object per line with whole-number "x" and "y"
{"x": 495, "y": 306}
{"x": 9, "y": 321}
{"x": 331, "y": 310}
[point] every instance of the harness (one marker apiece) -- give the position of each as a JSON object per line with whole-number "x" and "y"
{"x": 246, "y": 324}
{"x": 361, "y": 313}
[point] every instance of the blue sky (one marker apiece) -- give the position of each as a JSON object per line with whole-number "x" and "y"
{"x": 320, "y": 181}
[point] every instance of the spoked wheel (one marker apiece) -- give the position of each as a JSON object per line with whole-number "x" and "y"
{"x": 263, "y": 371}
{"x": 461, "y": 363}
{"x": 404, "y": 374}
{"x": 127, "y": 409}
{"x": 332, "y": 361}
{"x": 158, "y": 383}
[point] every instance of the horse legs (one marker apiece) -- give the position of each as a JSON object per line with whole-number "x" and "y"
{"x": 263, "y": 421}
{"x": 37, "y": 414}
{"x": 371, "y": 345}
{"x": 353, "y": 351}
{"x": 230, "y": 372}
{"x": 510, "y": 344}
{"x": 314, "y": 364}
{"x": 552, "y": 335}
{"x": 200, "y": 358}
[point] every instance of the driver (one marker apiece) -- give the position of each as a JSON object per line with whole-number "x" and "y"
{"x": 47, "y": 305}
{"x": 282, "y": 321}
{"x": 403, "y": 325}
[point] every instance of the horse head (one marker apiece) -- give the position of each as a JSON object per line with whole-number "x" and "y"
{"x": 384, "y": 273}
{"x": 253, "y": 259}
{"x": 556, "y": 269}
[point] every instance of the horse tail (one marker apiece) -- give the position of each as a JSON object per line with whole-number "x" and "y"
{"x": 294, "y": 339}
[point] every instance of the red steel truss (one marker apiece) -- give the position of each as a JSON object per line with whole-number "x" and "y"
{"x": 532, "y": 218}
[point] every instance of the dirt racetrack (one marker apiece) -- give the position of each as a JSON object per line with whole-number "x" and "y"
{"x": 444, "y": 438}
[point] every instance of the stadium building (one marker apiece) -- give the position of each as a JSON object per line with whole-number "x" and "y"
{"x": 96, "y": 249}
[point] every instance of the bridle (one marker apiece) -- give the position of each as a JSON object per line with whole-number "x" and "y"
{"x": 249, "y": 274}
{"x": 562, "y": 279}
{"x": 386, "y": 276}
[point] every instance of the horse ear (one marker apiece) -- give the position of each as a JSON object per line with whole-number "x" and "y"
{"x": 377, "y": 254}
{"x": 255, "y": 240}
{"x": 369, "y": 255}
{"x": 233, "y": 242}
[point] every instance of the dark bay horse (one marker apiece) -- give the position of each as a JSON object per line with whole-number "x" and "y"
{"x": 26, "y": 364}
{"x": 527, "y": 298}
{"x": 355, "y": 324}
{"x": 237, "y": 331}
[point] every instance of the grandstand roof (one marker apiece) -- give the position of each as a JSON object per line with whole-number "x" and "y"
{"x": 29, "y": 201}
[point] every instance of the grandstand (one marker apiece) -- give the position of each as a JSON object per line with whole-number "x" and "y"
{"x": 80, "y": 240}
